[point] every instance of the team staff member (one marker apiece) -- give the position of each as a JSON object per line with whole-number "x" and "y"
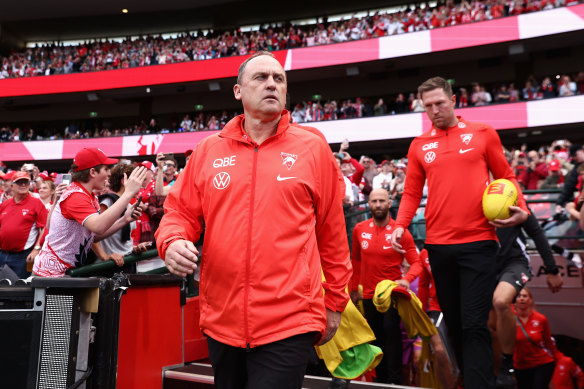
{"x": 22, "y": 222}
{"x": 513, "y": 273}
{"x": 277, "y": 185}
{"x": 375, "y": 260}
{"x": 535, "y": 351}
{"x": 456, "y": 156}
{"x": 76, "y": 222}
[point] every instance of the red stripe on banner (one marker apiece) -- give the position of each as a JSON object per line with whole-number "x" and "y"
{"x": 112, "y": 147}
{"x": 475, "y": 34}
{"x": 126, "y": 78}
{"x": 14, "y": 151}
{"x": 500, "y": 117}
{"x": 335, "y": 54}
{"x": 577, "y": 9}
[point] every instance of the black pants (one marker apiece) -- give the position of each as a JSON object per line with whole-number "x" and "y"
{"x": 386, "y": 327}
{"x": 537, "y": 378}
{"x": 465, "y": 277}
{"x": 278, "y": 365}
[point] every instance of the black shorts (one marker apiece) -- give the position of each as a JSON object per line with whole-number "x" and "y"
{"x": 515, "y": 271}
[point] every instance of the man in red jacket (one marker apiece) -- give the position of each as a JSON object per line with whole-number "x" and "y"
{"x": 375, "y": 260}
{"x": 267, "y": 192}
{"x": 455, "y": 157}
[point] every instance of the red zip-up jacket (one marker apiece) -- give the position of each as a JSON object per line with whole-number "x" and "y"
{"x": 456, "y": 162}
{"x": 375, "y": 260}
{"x": 273, "y": 217}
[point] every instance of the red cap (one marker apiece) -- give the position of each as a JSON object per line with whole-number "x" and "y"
{"x": 188, "y": 153}
{"x": 147, "y": 164}
{"x": 45, "y": 177}
{"x": 17, "y": 176}
{"x": 385, "y": 161}
{"x": 554, "y": 165}
{"x": 53, "y": 175}
{"x": 90, "y": 157}
{"x": 8, "y": 176}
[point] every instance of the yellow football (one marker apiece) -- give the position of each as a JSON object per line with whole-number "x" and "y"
{"x": 498, "y": 197}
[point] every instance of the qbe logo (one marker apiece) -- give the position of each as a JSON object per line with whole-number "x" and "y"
{"x": 221, "y": 180}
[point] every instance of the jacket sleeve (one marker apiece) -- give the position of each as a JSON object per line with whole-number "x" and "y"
{"x": 498, "y": 164}
{"x": 183, "y": 212}
{"x": 534, "y": 230}
{"x": 413, "y": 190}
{"x": 355, "y": 261}
{"x": 412, "y": 257}
{"x": 359, "y": 170}
{"x": 569, "y": 187}
{"x": 331, "y": 233}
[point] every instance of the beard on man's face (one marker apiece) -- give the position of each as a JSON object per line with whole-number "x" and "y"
{"x": 380, "y": 214}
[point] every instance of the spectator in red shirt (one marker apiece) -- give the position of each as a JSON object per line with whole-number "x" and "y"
{"x": 22, "y": 221}
{"x": 536, "y": 170}
{"x": 76, "y": 222}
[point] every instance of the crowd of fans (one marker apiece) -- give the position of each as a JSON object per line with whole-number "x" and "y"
{"x": 100, "y": 55}
{"x": 322, "y": 110}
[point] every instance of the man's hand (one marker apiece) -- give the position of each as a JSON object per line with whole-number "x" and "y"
{"x": 559, "y": 208}
{"x": 31, "y": 256}
{"x": 356, "y": 296}
{"x": 160, "y": 160}
{"x": 133, "y": 184}
{"x": 132, "y": 214}
{"x": 404, "y": 284}
{"x": 141, "y": 247}
{"x": 333, "y": 321}
{"x": 517, "y": 216}
{"x": 59, "y": 191}
{"x": 555, "y": 282}
{"x": 117, "y": 258}
{"x": 181, "y": 257}
{"x": 396, "y": 237}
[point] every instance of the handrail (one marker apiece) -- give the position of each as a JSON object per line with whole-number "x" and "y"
{"x": 95, "y": 268}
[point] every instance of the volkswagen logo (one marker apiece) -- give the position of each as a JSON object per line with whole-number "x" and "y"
{"x": 430, "y": 157}
{"x": 221, "y": 180}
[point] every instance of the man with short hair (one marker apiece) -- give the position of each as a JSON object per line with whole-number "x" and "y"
{"x": 384, "y": 178}
{"x": 375, "y": 260}
{"x": 268, "y": 193}
{"x": 166, "y": 173}
{"x": 22, "y": 222}
{"x": 455, "y": 157}
{"x": 76, "y": 221}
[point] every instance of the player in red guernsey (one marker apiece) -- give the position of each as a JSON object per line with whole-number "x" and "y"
{"x": 456, "y": 157}
{"x": 375, "y": 260}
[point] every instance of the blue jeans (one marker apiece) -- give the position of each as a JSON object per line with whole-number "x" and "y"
{"x": 16, "y": 261}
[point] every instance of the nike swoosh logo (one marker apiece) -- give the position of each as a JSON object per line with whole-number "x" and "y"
{"x": 461, "y": 151}
{"x": 283, "y": 178}
{"x": 387, "y": 247}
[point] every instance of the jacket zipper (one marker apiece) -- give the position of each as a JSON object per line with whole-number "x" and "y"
{"x": 248, "y": 258}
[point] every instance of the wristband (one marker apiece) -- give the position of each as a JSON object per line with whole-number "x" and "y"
{"x": 553, "y": 271}
{"x": 37, "y": 247}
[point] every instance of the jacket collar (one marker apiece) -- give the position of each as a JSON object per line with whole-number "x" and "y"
{"x": 234, "y": 128}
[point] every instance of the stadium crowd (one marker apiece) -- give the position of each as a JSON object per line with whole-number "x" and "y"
{"x": 322, "y": 110}
{"x": 98, "y": 55}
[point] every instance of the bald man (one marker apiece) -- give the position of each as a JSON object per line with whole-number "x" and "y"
{"x": 375, "y": 260}
{"x": 268, "y": 193}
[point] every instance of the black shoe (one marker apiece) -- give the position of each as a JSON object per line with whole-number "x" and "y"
{"x": 505, "y": 379}
{"x": 339, "y": 383}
